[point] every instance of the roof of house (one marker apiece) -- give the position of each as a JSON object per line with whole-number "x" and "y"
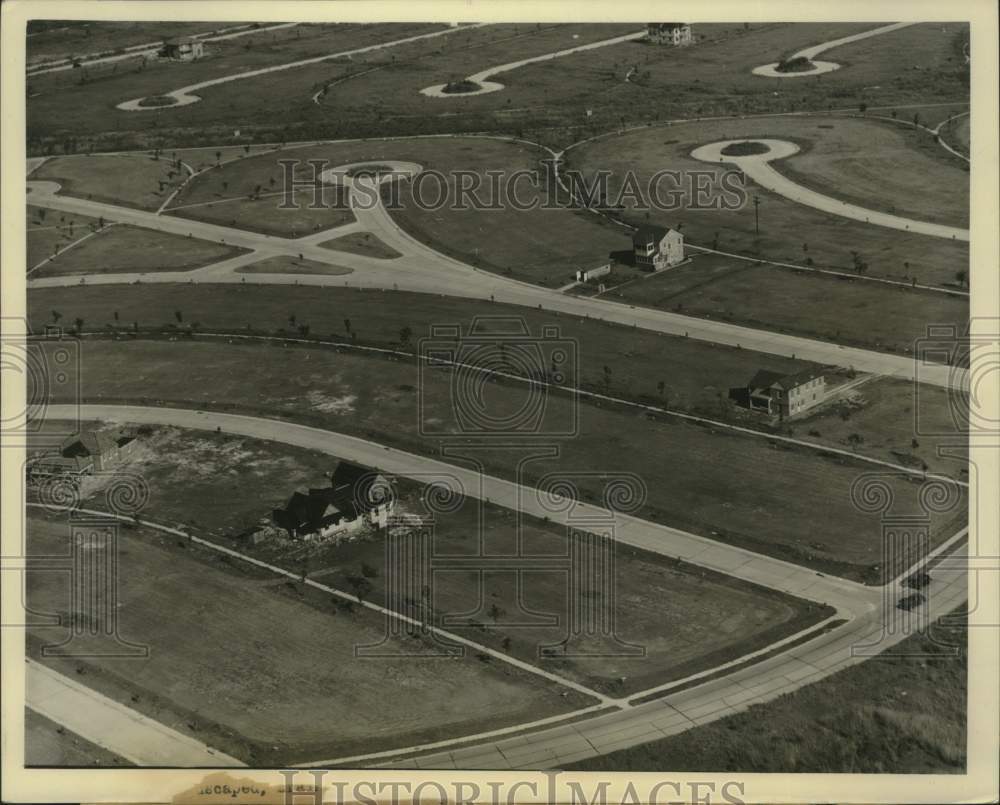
{"x": 348, "y": 497}
{"x": 650, "y": 233}
{"x": 92, "y": 442}
{"x": 766, "y": 379}
{"x": 179, "y": 40}
{"x": 666, "y": 26}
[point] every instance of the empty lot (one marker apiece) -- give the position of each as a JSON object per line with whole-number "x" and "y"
{"x": 306, "y": 697}
{"x": 783, "y": 501}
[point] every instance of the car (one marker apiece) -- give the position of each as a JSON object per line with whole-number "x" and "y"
{"x": 918, "y": 580}
{"x": 910, "y": 601}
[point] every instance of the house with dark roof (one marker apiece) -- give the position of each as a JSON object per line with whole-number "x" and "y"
{"x": 656, "y": 248}
{"x": 783, "y": 395}
{"x": 669, "y": 33}
{"x": 356, "y": 497}
{"x": 183, "y": 48}
{"x": 99, "y": 449}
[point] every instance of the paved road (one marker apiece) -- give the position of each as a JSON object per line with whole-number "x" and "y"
{"x": 847, "y": 596}
{"x": 758, "y": 167}
{"x": 876, "y": 631}
{"x": 114, "y": 726}
{"x": 810, "y": 53}
{"x": 185, "y": 95}
{"x": 865, "y": 609}
{"x": 423, "y": 270}
{"x": 482, "y": 77}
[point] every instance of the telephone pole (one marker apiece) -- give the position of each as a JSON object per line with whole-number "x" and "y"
{"x": 756, "y": 214}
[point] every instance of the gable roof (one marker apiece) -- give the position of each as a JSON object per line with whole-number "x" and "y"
{"x": 765, "y": 379}
{"x": 650, "y": 233}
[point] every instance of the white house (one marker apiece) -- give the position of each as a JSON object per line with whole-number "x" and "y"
{"x": 669, "y": 33}
{"x": 593, "y": 273}
{"x": 656, "y": 248}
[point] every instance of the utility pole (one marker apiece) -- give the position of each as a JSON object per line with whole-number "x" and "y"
{"x": 756, "y": 214}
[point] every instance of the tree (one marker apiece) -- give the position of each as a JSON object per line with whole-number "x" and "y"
{"x": 862, "y": 107}
{"x": 218, "y": 157}
{"x": 855, "y": 439}
{"x": 506, "y": 644}
{"x": 960, "y": 277}
{"x": 179, "y": 316}
{"x": 79, "y": 324}
{"x": 496, "y": 613}
{"x": 607, "y": 377}
{"x": 56, "y": 315}
{"x": 225, "y": 185}
{"x": 368, "y": 571}
{"x": 291, "y": 319}
{"x": 116, "y": 315}
{"x": 404, "y": 336}
{"x": 347, "y": 326}
{"x": 660, "y": 387}
{"x": 361, "y": 586}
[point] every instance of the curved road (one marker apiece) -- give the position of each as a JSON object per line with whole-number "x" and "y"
{"x": 770, "y": 71}
{"x": 486, "y": 86}
{"x": 185, "y": 95}
{"x": 423, "y": 270}
{"x": 758, "y": 167}
{"x": 868, "y": 611}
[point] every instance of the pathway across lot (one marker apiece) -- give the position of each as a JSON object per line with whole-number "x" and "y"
{"x": 424, "y": 270}
{"x": 758, "y": 168}
{"x": 771, "y": 71}
{"x": 114, "y": 726}
{"x": 485, "y": 85}
{"x": 185, "y": 95}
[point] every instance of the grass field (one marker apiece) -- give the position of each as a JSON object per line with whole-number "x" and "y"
{"x": 516, "y": 243}
{"x": 121, "y": 248}
{"x": 46, "y": 744}
{"x": 127, "y": 180}
{"x": 46, "y": 229}
{"x": 65, "y": 106}
{"x": 74, "y": 38}
{"x": 308, "y": 696}
{"x": 842, "y": 310}
{"x": 894, "y": 715}
{"x": 377, "y": 399}
{"x": 792, "y": 232}
{"x": 285, "y": 264}
{"x": 221, "y": 485}
{"x": 898, "y": 422}
{"x": 363, "y": 243}
{"x": 265, "y": 212}
{"x": 692, "y": 371}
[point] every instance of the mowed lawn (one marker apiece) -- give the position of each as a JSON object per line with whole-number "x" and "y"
{"x": 693, "y": 372}
{"x": 684, "y": 619}
{"x": 543, "y": 246}
{"x": 286, "y": 264}
{"x": 844, "y": 156}
{"x": 363, "y": 243}
{"x": 256, "y": 671}
{"x": 903, "y": 714}
{"x": 50, "y": 231}
{"x": 788, "y": 502}
{"x": 808, "y": 303}
{"x": 120, "y": 248}
{"x": 59, "y": 103}
{"x": 128, "y": 180}
{"x": 47, "y": 744}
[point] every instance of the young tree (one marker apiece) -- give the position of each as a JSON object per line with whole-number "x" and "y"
{"x": 79, "y": 324}
{"x": 56, "y": 315}
{"x": 960, "y": 277}
{"x": 855, "y": 439}
{"x": 179, "y": 316}
{"x": 405, "y": 334}
{"x": 347, "y": 326}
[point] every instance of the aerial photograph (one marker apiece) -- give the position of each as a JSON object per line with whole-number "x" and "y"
{"x": 571, "y": 396}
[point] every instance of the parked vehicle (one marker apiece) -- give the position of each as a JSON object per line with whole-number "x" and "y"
{"x": 911, "y": 601}
{"x": 918, "y": 580}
